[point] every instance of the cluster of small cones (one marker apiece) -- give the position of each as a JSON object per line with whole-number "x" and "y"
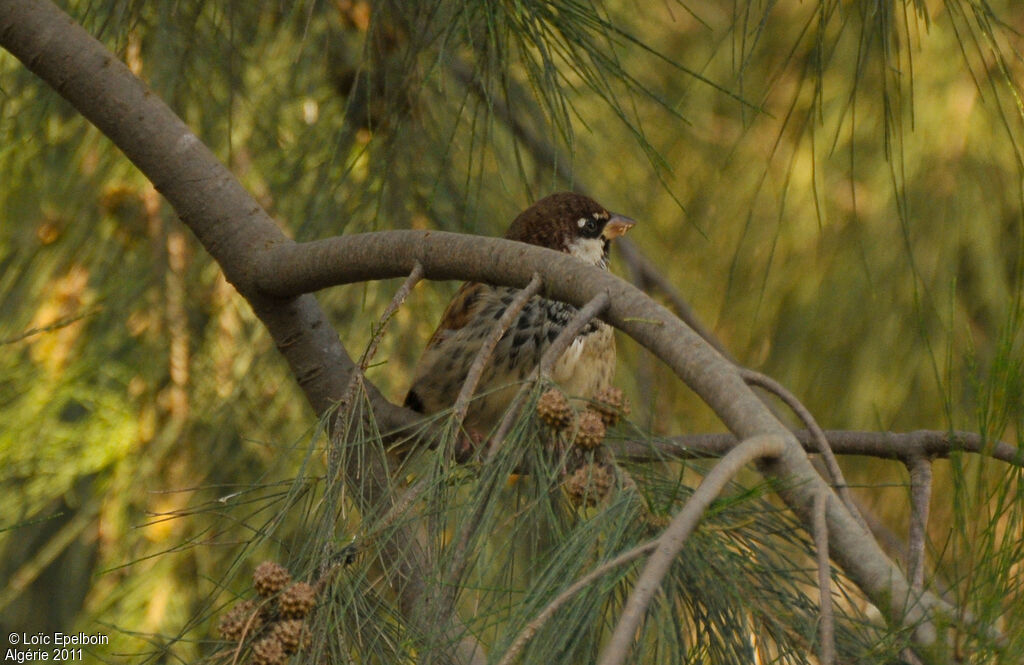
{"x": 590, "y": 482}
{"x": 275, "y": 625}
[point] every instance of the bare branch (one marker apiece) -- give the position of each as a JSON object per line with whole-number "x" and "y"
{"x": 920, "y": 499}
{"x": 565, "y": 336}
{"x": 561, "y": 599}
{"x": 592, "y": 309}
{"x": 483, "y": 356}
{"x": 826, "y": 628}
{"x": 287, "y": 269}
{"x": 460, "y": 558}
{"x": 902, "y": 446}
{"x": 399, "y": 298}
{"x": 674, "y": 537}
{"x": 838, "y": 481}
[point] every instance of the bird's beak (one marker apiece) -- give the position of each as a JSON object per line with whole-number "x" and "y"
{"x": 617, "y": 226}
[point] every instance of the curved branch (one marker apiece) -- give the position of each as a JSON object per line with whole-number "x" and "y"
{"x": 228, "y": 222}
{"x": 561, "y": 599}
{"x": 286, "y": 270}
{"x": 821, "y": 441}
{"x": 674, "y": 537}
{"x": 292, "y": 269}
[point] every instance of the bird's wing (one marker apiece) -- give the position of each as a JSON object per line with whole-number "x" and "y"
{"x": 465, "y": 305}
{"x": 439, "y": 370}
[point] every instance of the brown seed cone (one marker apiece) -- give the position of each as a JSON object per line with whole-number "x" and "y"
{"x": 292, "y": 633}
{"x": 268, "y": 651}
{"x": 590, "y": 430}
{"x": 554, "y": 409}
{"x": 297, "y": 600}
{"x": 269, "y": 578}
{"x": 590, "y": 484}
{"x": 612, "y": 404}
{"x": 232, "y": 623}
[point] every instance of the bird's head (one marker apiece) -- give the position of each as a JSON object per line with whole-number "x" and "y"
{"x": 570, "y": 223}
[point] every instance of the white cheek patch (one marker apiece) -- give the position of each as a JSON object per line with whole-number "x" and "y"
{"x": 590, "y": 250}
{"x": 581, "y": 222}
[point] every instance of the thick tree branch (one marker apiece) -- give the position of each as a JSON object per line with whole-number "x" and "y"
{"x": 274, "y": 275}
{"x": 286, "y": 270}
{"x": 228, "y": 222}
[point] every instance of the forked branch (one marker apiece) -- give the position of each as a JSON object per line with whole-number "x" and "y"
{"x": 276, "y": 275}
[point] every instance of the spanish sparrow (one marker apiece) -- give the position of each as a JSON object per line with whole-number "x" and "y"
{"x": 566, "y": 222}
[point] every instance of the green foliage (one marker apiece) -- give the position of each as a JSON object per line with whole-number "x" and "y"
{"x": 835, "y": 187}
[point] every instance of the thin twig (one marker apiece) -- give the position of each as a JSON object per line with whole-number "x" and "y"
{"x": 56, "y": 325}
{"x": 920, "y": 500}
{"x": 551, "y": 355}
{"x": 565, "y": 337}
{"x": 583, "y": 316}
{"x": 358, "y": 375}
{"x": 826, "y": 629}
{"x": 527, "y": 633}
{"x": 357, "y": 378}
{"x": 901, "y": 446}
{"x": 674, "y": 537}
{"x": 803, "y": 413}
{"x": 483, "y": 356}
{"x": 406, "y": 499}
{"x": 245, "y": 629}
{"x": 400, "y": 295}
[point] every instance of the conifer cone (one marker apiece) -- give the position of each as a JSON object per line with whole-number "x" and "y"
{"x": 269, "y": 578}
{"x": 292, "y": 633}
{"x": 554, "y": 409}
{"x": 612, "y": 404}
{"x": 232, "y": 624}
{"x": 297, "y": 600}
{"x": 590, "y": 483}
{"x": 590, "y": 430}
{"x": 268, "y": 651}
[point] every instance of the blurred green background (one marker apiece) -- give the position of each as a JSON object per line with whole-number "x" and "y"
{"x": 835, "y": 187}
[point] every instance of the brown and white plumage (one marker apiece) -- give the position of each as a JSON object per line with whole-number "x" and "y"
{"x": 566, "y": 222}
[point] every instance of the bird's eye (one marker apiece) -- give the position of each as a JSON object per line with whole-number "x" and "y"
{"x": 590, "y": 227}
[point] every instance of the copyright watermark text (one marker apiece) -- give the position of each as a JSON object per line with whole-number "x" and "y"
{"x": 56, "y": 647}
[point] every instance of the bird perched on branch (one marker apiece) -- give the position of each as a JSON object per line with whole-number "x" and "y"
{"x": 566, "y": 222}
